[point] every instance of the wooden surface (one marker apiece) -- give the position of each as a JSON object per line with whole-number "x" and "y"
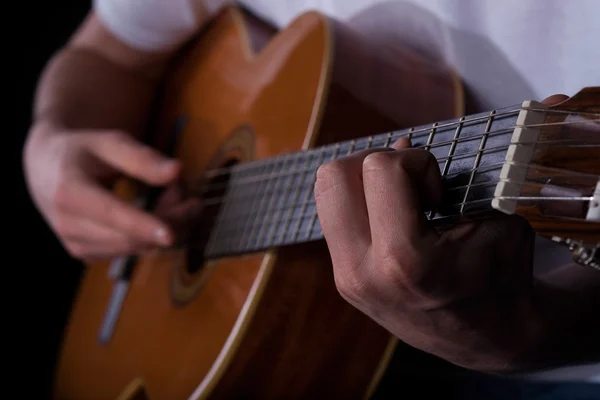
{"x": 284, "y": 329}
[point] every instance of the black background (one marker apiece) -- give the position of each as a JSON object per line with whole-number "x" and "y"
{"x": 39, "y": 278}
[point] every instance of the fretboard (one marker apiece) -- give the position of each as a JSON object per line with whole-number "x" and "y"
{"x": 270, "y": 203}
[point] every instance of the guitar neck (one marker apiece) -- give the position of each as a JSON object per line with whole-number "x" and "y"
{"x": 270, "y": 202}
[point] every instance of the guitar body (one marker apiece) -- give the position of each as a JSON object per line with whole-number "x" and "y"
{"x": 261, "y": 325}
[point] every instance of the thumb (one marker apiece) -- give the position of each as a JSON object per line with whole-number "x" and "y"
{"x": 133, "y": 158}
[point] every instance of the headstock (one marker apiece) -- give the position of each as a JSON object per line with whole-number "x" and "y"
{"x": 551, "y": 175}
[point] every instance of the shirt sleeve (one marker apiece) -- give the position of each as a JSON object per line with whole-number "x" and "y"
{"x": 155, "y": 25}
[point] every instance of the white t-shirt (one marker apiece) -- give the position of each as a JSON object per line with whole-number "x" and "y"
{"x": 505, "y": 51}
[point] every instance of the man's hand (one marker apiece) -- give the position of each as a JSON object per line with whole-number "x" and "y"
{"x": 69, "y": 174}
{"x": 92, "y": 101}
{"x": 465, "y": 294}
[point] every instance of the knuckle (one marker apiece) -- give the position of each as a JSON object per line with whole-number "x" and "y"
{"x": 401, "y": 267}
{"x": 328, "y": 175}
{"x": 352, "y": 287}
{"x": 377, "y": 161}
{"x": 331, "y": 169}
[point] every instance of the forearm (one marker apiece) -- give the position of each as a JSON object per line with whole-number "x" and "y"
{"x": 80, "y": 89}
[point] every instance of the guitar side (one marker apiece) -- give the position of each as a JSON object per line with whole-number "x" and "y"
{"x": 266, "y": 325}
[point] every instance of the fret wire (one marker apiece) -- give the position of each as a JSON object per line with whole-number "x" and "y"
{"x": 431, "y": 135}
{"x": 296, "y": 194}
{"x": 388, "y": 140}
{"x": 351, "y": 148}
{"x": 268, "y": 216}
{"x": 428, "y": 148}
{"x": 369, "y": 142}
{"x": 309, "y": 192}
{"x": 244, "y": 235}
{"x": 452, "y": 149}
{"x": 410, "y": 133}
{"x": 273, "y": 230}
{"x": 477, "y": 161}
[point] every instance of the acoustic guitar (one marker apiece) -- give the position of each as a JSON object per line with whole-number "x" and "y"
{"x": 246, "y": 306}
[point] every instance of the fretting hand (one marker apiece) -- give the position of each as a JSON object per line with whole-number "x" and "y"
{"x": 466, "y": 294}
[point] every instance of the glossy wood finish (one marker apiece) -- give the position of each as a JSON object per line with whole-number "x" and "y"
{"x": 558, "y": 152}
{"x": 267, "y": 325}
{"x": 304, "y": 340}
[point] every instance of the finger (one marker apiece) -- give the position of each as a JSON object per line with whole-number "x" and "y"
{"x": 76, "y": 228}
{"x": 341, "y": 208}
{"x": 182, "y": 217}
{"x": 88, "y": 200}
{"x": 172, "y": 195}
{"x": 92, "y": 252}
{"x": 399, "y": 185}
{"x": 83, "y": 238}
{"x": 132, "y": 157}
{"x": 402, "y": 143}
{"x": 555, "y": 99}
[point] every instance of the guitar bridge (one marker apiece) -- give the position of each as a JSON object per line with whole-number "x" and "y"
{"x": 584, "y": 254}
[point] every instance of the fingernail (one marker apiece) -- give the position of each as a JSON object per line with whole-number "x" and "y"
{"x": 162, "y": 236}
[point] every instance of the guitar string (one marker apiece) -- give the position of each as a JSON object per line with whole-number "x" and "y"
{"x": 276, "y": 192}
{"x": 419, "y": 133}
{"x": 206, "y": 188}
{"x": 484, "y": 168}
{"x": 258, "y": 177}
{"x": 266, "y": 177}
{"x": 233, "y": 231}
{"x": 309, "y": 233}
{"x": 315, "y": 233}
{"x": 525, "y": 184}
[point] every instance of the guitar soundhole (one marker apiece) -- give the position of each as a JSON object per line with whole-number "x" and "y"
{"x": 214, "y": 190}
